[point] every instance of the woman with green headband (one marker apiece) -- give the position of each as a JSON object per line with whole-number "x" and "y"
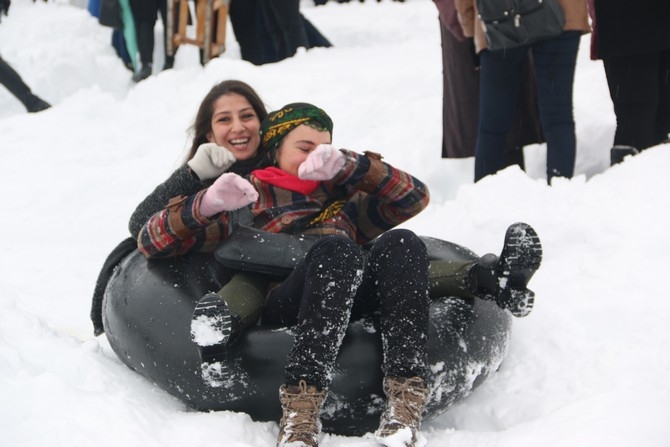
{"x": 358, "y": 265}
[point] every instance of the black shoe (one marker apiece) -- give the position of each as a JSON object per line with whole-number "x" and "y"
{"x": 144, "y": 73}
{"x": 520, "y": 258}
{"x": 619, "y": 152}
{"x": 211, "y": 327}
{"x": 37, "y": 105}
{"x": 169, "y": 63}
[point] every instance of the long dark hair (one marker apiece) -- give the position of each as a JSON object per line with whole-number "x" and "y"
{"x": 203, "y": 120}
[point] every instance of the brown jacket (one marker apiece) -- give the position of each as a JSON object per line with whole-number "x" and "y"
{"x": 576, "y": 19}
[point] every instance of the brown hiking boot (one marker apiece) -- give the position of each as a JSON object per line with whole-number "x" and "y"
{"x": 300, "y": 425}
{"x": 401, "y": 421}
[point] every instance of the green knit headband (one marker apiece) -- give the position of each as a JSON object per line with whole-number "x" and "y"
{"x": 280, "y": 122}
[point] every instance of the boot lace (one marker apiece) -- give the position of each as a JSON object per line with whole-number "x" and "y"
{"x": 300, "y": 421}
{"x": 405, "y": 401}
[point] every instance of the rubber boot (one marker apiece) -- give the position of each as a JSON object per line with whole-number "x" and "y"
{"x": 505, "y": 278}
{"x": 451, "y": 278}
{"x": 400, "y": 423}
{"x": 300, "y": 424}
{"x": 502, "y": 279}
{"x": 619, "y": 152}
{"x": 218, "y": 318}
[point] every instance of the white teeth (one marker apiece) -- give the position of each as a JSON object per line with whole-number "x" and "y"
{"x": 238, "y": 142}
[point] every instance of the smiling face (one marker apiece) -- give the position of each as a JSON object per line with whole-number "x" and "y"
{"x": 235, "y": 126}
{"x": 297, "y": 145}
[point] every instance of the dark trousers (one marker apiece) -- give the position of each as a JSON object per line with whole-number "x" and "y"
{"x": 337, "y": 281}
{"x": 500, "y": 81}
{"x": 13, "y": 82}
{"x": 640, "y": 90}
{"x": 145, "y": 14}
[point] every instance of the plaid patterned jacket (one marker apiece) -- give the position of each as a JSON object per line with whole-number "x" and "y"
{"x": 376, "y": 197}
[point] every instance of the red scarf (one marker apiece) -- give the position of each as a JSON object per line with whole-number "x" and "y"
{"x": 283, "y": 179}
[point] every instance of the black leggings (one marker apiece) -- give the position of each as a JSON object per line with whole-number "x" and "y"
{"x": 640, "y": 90}
{"x": 337, "y": 281}
{"x": 11, "y": 79}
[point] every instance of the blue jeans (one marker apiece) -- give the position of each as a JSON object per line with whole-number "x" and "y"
{"x": 500, "y": 82}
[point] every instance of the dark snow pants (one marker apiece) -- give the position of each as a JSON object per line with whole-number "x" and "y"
{"x": 337, "y": 281}
{"x": 13, "y": 82}
{"x": 639, "y": 86}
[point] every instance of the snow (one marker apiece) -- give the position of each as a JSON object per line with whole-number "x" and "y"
{"x": 205, "y": 331}
{"x": 589, "y": 366}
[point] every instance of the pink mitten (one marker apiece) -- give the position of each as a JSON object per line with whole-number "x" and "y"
{"x": 229, "y": 192}
{"x": 322, "y": 163}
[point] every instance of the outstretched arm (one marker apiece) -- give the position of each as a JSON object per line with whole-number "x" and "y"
{"x": 197, "y": 222}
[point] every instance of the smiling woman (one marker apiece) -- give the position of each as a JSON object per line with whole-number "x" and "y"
{"x": 227, "y": 123}
{"x": 225, "y": 139}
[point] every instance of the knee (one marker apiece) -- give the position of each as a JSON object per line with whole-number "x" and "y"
{"x": 337, "y": 249}
{"x": 400, "y": 240}
{"x": 398, "y": 236}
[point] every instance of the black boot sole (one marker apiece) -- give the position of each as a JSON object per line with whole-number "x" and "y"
{"x": 211, "y": 327}
{"x": 520, "y": 259}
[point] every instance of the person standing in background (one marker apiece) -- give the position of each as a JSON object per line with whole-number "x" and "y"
{"x": 460, "y": 103}
{"x": 554, "y": 59}
{"x": 12, "y": 80}
{"x": 632, "y": 38}
{"x": 145, "y": 13}
{"x": 272, "y": 30}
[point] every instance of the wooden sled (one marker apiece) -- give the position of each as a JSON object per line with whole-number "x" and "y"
{"x": 210, "y": 26}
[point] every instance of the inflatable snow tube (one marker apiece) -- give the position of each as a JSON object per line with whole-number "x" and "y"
{"x": 147, "y": 313}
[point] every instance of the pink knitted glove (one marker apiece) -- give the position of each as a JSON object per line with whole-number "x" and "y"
{"x": 322, "y": 163}
{"x": 229, "y": 192}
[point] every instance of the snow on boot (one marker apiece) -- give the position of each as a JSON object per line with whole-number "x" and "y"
{"x": 300, "y": 425}
{"x": 401, "y": 421}
{"x": 212, "y": 327}
{"x": 520, "y": 258}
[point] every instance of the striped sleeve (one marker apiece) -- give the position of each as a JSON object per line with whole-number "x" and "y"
{"x": 388, "y": 196}
{"x": 180, "y": 228}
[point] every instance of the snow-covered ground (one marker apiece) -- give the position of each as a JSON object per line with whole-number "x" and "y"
{"x": 589, "y": 366}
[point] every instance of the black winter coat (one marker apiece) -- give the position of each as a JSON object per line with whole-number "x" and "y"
{"x": 626, "y": 27}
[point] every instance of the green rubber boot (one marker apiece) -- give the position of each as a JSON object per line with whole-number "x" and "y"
{"x": 219, "y": 317}
{"x": 503, "y": 279}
